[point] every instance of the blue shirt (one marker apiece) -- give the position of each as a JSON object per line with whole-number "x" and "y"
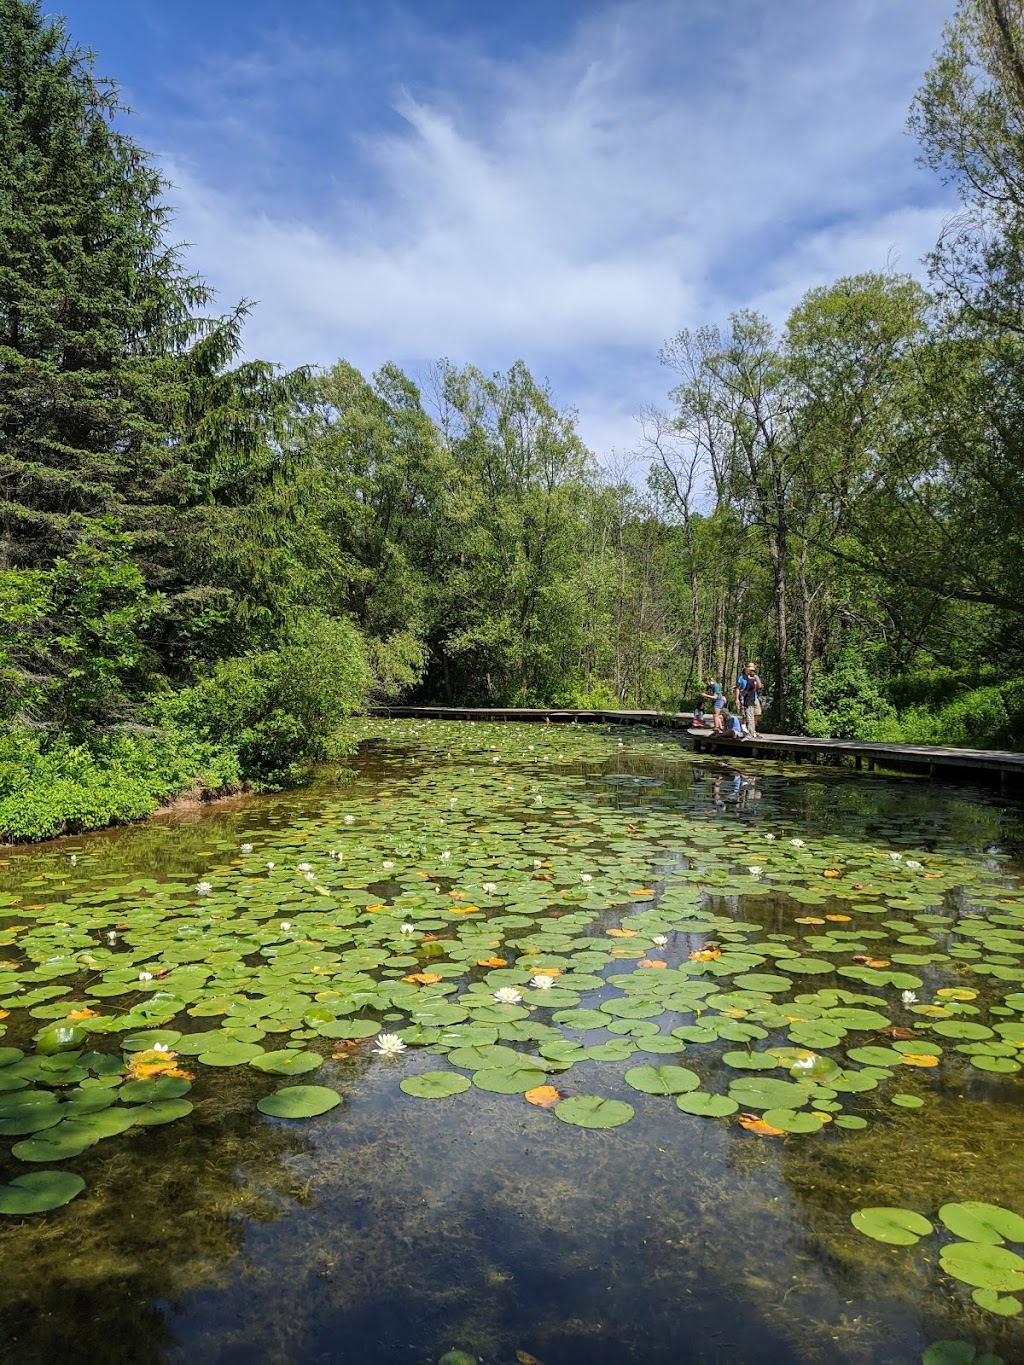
{"x": 748, "y": 688}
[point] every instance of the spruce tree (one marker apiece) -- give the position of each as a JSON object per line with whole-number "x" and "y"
{"x": 129, "y": 449}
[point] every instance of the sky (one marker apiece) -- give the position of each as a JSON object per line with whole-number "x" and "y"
{"x": 566, "y": 182}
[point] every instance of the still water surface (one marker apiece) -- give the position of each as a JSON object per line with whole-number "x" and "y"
{"x": 394, "y": 1229}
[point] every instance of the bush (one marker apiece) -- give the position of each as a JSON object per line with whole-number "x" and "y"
{"x": 116, "y": 779}
{"x": 278, "y": 710}
{"x": 846, "y": 703}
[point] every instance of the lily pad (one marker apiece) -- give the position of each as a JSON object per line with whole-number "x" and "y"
{"x": 662, "y": 1080}
{"x": 894, "y": 1226}
{"x": 591, "y": 1111}
{"x": 286, "y": 1062}
{"x": 434, "y": 1085}
{"x": 39, "y": 1191}
{"x": 299, "y": 1102}
{"x": 708, "y": 1105}
{"x": 978, "y": 1222}
{"x": 982, "y": 1265}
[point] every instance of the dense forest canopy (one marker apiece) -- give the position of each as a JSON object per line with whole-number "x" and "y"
{"x": 205, "y": 561}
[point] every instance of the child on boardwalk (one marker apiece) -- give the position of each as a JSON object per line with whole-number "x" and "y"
{"x": 713, "y": 694}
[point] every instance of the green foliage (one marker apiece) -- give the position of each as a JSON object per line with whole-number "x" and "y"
{"x": 278, "y": 710}
{"x": 847, "y": 703}
{"x": 113, "y": 780}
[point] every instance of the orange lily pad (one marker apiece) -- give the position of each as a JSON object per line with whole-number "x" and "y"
{"x": 753, "y": 1124}
{"x": 544, "y": 1096}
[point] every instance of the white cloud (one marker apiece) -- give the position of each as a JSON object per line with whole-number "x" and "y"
{"x": 673, "y": 163}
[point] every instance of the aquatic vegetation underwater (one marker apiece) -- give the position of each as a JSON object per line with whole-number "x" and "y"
{"x": 318, "y": 1075}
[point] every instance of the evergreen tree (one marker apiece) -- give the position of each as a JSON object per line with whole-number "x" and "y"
{"x": 118, "y": 412}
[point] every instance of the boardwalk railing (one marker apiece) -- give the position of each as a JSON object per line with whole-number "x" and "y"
{"x": 935, "y": 760}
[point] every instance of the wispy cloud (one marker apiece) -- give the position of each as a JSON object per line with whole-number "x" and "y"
{"x": 667, "y": 165}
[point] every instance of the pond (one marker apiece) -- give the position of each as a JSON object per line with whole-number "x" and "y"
{"x": 528, "y": 1043}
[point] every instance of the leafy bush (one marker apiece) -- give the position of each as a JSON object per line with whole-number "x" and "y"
{"x": 116, "y": 779}
{"x": 846, "y": 703}
{"x": 279, "y": 709}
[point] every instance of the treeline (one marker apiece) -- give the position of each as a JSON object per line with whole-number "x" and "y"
{"x": 206, "y": 563}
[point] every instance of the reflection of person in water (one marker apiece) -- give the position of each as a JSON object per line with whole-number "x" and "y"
{"x": 716, "y": 796}
{"x": 749, "y": 796}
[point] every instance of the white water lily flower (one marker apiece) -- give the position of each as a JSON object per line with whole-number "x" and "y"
{"x": 161, "y": 1047}
{"x": 797, "y": 843}
{"x": 350, "y": 819}
{"x": 537, "y": 862}
{"x": 586, "y": 877}
{"x": 538, "y": 800}
{"x": 542, "y": 982}
{"x": 285, "y": 925}
{"x": 659, "y": 940}
{"x": 145, "y": 976}
{"x": 310, "y": 876}
{"x": 769, "y": 837}
{"x": 446, "y": 855}
{"x": 111, "y": 937}
{"x": 489, "y": 888}
{"x": 72, "y": 858}
{"x": 245, "y": 848}
{"x": 913, "y": 864}
{"x": 803, "y": 1064}
{"x": 407, "y": 929}
{"x": 303, "y": 867}
{"x": 909, "y": 997}
{"x": 453, "y": 801}
{"x": 755, "y": 870}
{"x": 387, "y": 865}
{"x": 389, "y": 1045}
{"x": 270, "y": 867}
{"x": 203, "y": 888}
{"x": 496, "y": 759}
{"x": 896, "y": 857}
{"x": 507, "y": 995}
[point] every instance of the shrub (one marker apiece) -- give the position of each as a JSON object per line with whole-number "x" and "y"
{"x": 846, "y": 703}
{"x": 279, "y": 709}
{"x": 116, "y": 779}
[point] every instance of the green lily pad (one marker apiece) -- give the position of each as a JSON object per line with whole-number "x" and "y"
{"x": 894, "y": 1226}
{"x": 434, "y": 1085}
{"x": 792, "y": 1122}
{"x": 982, "y": 1265}
{"x": 231, "y": 1054}
{"x": 765, "y": 1092}
{"x": 978, "y": 1222}
{"x": 903, "y": 1101}
{"x": 1003, "y": 1304}
{"x": 949, "y": 1353}
{"x": 161, "y": 1111}
{"x": 39, "y": 1191}
{"x": 662, "y": 1080}
{"x": 60, "y": 1038}
{"x": 708, "y": 1105}
{"x": 68, "y": 1139}
{"x": 508, "y": 1080}
{"x": 155, "y": 1088}
{"x": 299, "y": 1102}
{"x": 286, "y": 1062}
{"x": 591, "y": 1111}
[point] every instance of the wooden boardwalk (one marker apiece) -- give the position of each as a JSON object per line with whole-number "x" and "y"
{"x": 998, "y": 765}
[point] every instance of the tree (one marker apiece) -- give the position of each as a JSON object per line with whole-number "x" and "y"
{"x": 118, "y": 409}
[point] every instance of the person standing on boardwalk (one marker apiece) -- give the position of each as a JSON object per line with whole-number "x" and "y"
{"x": 746, "y": 694}
{"x": 717, "y": 700}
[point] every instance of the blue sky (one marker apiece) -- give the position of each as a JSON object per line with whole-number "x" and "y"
{"x": 569, "y": 182}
